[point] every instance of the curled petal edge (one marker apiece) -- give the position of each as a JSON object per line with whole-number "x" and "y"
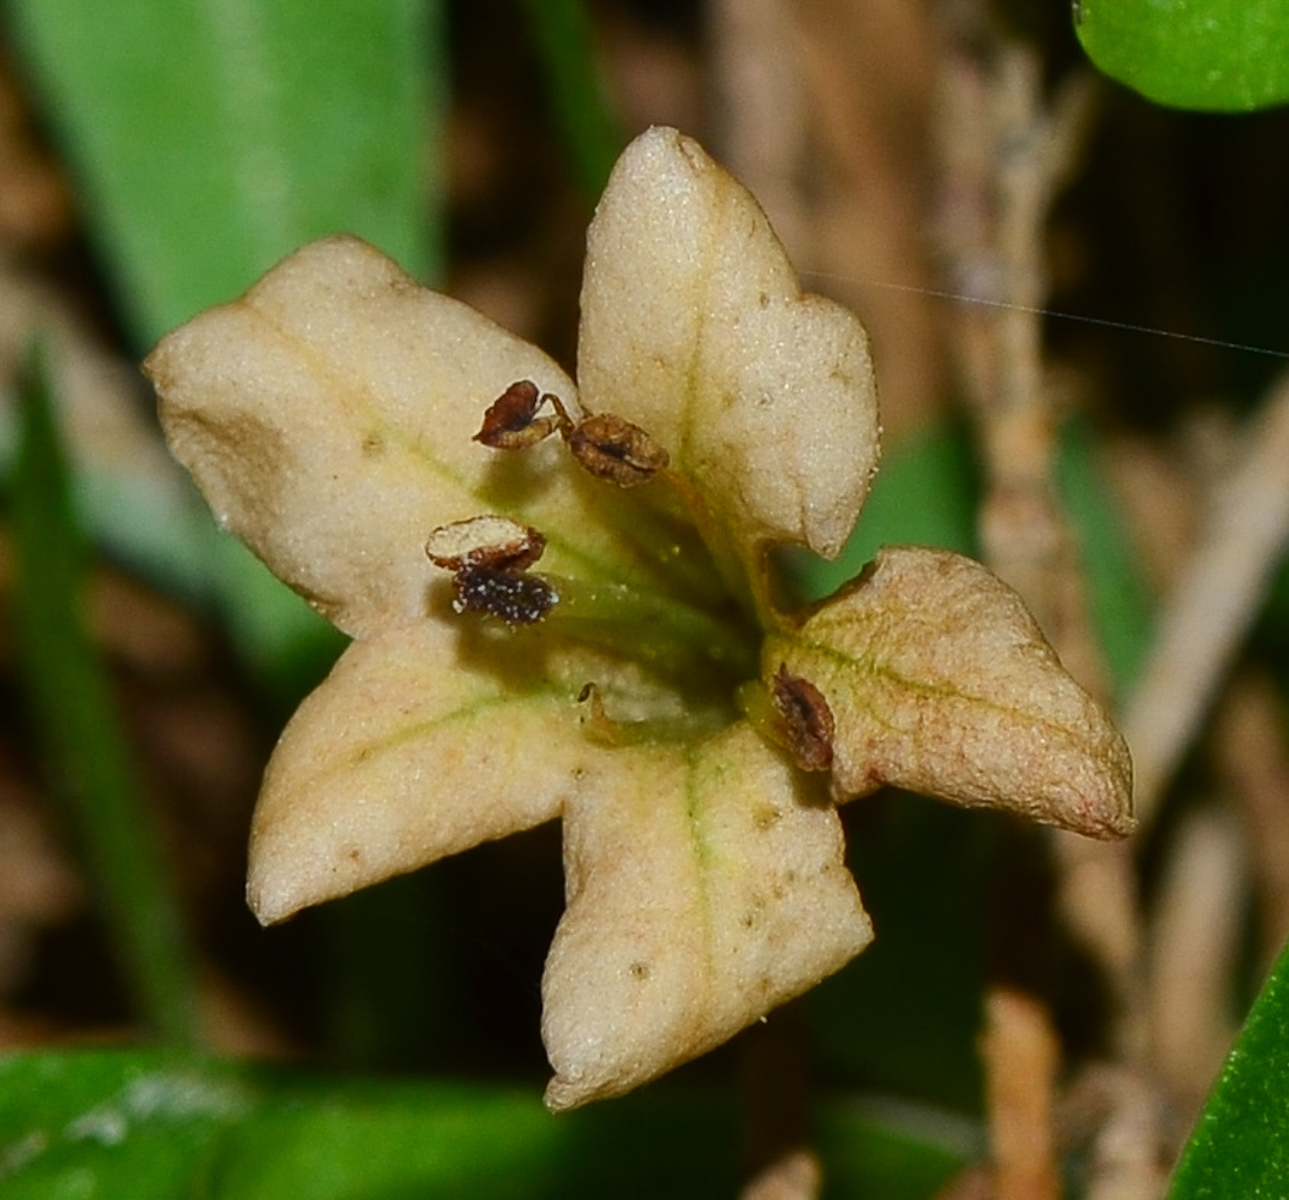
{"x": 940, "y": 681}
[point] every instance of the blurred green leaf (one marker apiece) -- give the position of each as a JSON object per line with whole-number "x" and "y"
{"x": 905, "y": 1016}
{"x": 84, "y": 744}
{"x": 563, "y": 38}
{"x": 925, "y": 494}
{"x": 210, "y": 138}
{"x": 213, "y": 137}
{"x": 1240, "y": 1146}
{"x": 895, "y": 1151}
{"x": 1121, "y": 610}
{"x": 1212, "y": 55}
{"x": 151, "y": 1126}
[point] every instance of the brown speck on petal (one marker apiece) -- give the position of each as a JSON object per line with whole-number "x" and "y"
{"x": 808, "y": 718}
{"x": 512, "y": 423}
{"x": 485, "y": 541}
{"x": 616, "y": 450}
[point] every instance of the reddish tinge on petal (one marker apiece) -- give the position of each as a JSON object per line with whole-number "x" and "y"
{"x": 940, "y": 681}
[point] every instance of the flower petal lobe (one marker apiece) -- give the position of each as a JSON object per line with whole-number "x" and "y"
{"x": 695, "y": 329}
{"x": 706, "y": 885}
{"x": 329, "y": 416}
{"x": 415, "y": 747}
{"x": 940, "y": 682}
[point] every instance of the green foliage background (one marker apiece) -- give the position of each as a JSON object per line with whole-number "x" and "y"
{"x": 209, "y": 138}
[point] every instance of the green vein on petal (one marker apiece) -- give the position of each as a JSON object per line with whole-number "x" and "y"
{"x": 941, "y": 682}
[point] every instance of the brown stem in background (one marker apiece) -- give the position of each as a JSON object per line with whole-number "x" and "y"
{"x": 975, "y": 1183}
{"x": 795, "y": 1176}
{"x": 870, "y": 68}
{"x": 1021, "y": 1056}
{"x": 1005, "y": 157}
{"x": 775, "y": 1090}
{"x": 761, "y": 109}
{"x": 1251, "y": 753}
{"x": 1213, "y": 859}
{"x": 1215, "y": 598}
{"x": 1193, "y": 949}
{"x": 1117, "y": 1119}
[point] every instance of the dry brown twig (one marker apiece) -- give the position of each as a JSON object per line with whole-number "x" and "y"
{"x": 795, "y": 1176}
{"x": 1199, "y": 910}
{"x": 761, "y": 109}
{"x": 1006, "y": 156}
{"x": 1005, "y": 159}
{"x": 1215, "y": 598}
{"x": 1193, "y": 949}
{"x": 1117, "y": 1117}
{"x": 869, "y": 70}
{"x": 1021, "y": 1057}
{"x": 1251, "y": 753}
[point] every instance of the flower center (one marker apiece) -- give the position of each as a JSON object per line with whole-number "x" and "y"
{"x": 691, "y": 637}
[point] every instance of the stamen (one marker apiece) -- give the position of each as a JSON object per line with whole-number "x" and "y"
{"x": 807, "y": 717}
{"x": 512, "y": 423}
{"x": 791, "y": 713}
{"x": 488, "y": 557}
{"x": 485, "y": 541}
{"x": 515, "y": 596}
{"x": 616, "y": 450}
{"x": 605, "y": 445}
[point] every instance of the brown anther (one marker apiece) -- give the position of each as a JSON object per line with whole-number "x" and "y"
{"x": 485, "y": 541}
{"x": 615, "y": 450}
{"x": 488, "y": 557}
{"x": 807, "y": 717}
{"x": 513, "y": 596}
{"x": 512, "y": 423}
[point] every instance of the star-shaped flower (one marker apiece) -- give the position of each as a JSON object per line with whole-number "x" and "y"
{"x": 562, "y": 605}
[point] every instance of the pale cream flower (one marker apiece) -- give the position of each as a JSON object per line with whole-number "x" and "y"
{"x": 638, "y": 679}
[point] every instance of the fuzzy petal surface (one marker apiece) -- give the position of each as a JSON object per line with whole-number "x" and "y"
{"x": 694, "y": 328}
{"x": 327, "y": 415}
{"x": 422, "y": 742}
{"x": 940, "y": 681}
{"x": 705, "y": 885}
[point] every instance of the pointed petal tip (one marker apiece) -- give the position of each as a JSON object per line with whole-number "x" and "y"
{"x": 1098, "y": 799}
{"x": 1094, "y": 822}
{"x": 267, "y": 908}
{"x": 1107, "y": 816}
{"x": 564, "y": 1093}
